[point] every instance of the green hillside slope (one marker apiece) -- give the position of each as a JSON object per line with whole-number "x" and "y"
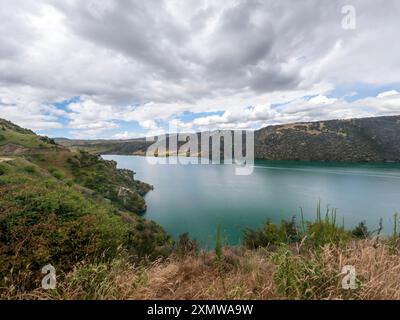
{"x": 369, "y": 139}
{"x": 60, "y": 207}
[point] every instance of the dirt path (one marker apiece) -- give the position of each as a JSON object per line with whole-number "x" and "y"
{"x": 5, "y": 159}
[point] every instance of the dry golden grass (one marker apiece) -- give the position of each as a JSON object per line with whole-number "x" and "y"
{"x": 243, "y": 274}
{"x": 240, "y": 276}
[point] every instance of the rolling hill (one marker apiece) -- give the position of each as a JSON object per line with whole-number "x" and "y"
{"x": 355, "y": 140}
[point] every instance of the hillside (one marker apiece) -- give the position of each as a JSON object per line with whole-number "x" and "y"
{"x": 62, "y": 207}
{"x": 368, "y": 139}
{"x": 131, "y": 146}
{"x": 84, "y": 169}
{"x": 17, "y": 140}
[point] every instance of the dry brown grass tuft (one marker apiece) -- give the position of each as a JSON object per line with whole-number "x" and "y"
{"x": 242, "y": 275}
{"x": 378, "y": 269}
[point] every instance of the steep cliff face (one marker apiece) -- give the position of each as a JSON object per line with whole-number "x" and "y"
{"x": 368, "y": 139}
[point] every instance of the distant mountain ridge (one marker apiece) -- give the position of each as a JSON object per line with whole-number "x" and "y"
{"x": 374, "y": 139}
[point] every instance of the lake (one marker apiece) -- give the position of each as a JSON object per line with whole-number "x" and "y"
{"x": 198, "y": 198}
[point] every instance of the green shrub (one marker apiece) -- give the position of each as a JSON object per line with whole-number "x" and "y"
{"x": 271, "y": 234}
{"x": 69, "y": 182}
{"x": 56, "y": 173}
{"x": 147, "y": 240}
{"x": 186, "y": 246}
{"x": 360, "y": 231}
{"x": 30, "y": 169}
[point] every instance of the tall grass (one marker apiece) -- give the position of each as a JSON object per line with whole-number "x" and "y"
{"x": 323, "y": 230}
{"x": 218, "y": 243}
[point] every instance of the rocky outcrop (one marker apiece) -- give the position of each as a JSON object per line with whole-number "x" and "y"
{"x": 11, "y": 148}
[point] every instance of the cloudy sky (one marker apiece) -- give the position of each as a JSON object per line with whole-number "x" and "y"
{"x": 122, "y": 69}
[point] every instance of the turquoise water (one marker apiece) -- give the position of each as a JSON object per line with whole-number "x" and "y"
{"x": 196, "y": 198}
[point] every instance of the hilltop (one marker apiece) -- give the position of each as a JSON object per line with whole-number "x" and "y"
{"x": 355, "y": 140}
{"x": 16, "y": 140}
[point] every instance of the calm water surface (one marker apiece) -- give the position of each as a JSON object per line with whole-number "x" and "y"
{"x": 196, "y": 198}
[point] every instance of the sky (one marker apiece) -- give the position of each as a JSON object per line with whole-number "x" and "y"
{"x": 124, "y": 69}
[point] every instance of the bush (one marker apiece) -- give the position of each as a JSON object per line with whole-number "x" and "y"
{"x": 56, "y": 173}
{"x": 271, "y": 234}
{"x": 360, "y": 231}
{"x": 146, "y": 240}
{"x": 186, "y": 246}
{"x": 30, "y": 169}
{"x": 2, "y": 170}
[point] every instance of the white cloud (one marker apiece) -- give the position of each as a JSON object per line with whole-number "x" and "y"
{"x": 148, "y": 124}
{"x": 125, "y": 135}
{"x": 150, "y": 62}
{"x": 388, "y": 94}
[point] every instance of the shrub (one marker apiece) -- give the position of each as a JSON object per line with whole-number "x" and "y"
{"x": 271, "y": 234}
{"x": 146, "y": 240}
{"x": 56, "y": 173}
{"x": 186, "y": 246}
{"x": 30, "y": 169}
{"x": 360, "y": 231}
